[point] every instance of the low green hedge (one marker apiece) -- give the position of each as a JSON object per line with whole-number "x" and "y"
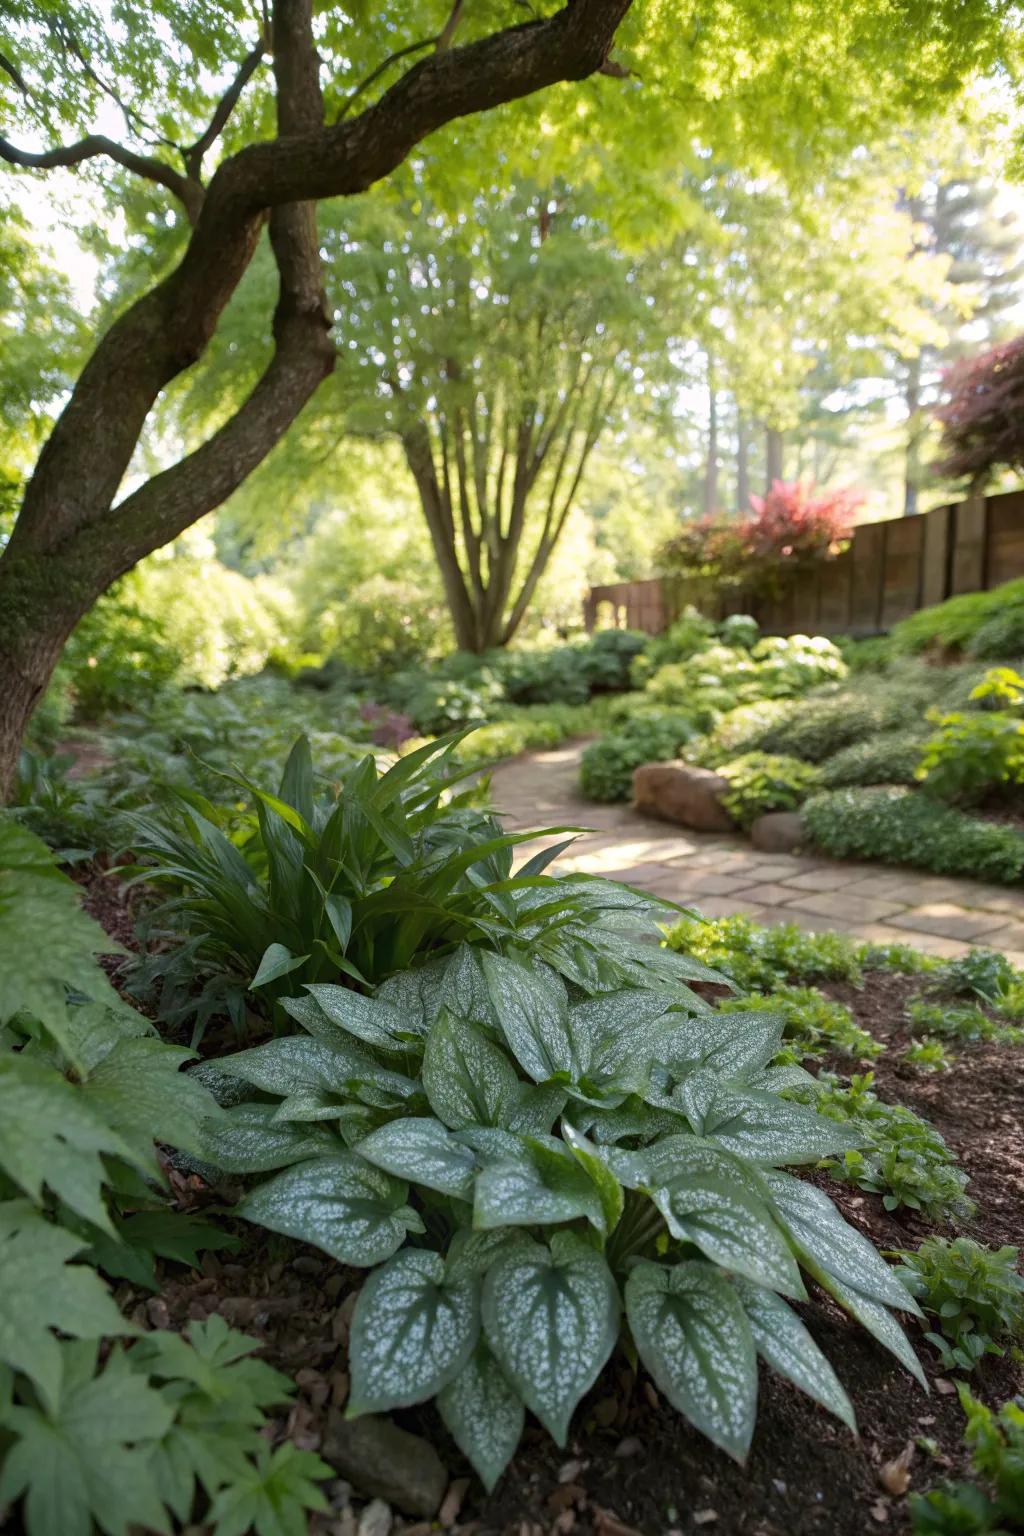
{"x": 891, "y": 758}
{"x": 760, "y": 782}
{"x": 902, "y": 826}
{"x": 988, "y": 625}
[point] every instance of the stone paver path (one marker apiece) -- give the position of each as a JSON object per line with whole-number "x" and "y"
{"x": 724, "y": 874}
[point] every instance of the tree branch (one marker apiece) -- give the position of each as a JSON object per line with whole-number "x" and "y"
{"x": 94, "y": 145}
{"x": 193, "y": 155}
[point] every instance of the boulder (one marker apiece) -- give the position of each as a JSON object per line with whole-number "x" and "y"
{"x": 677, "y": 792}
{"x": 778, "y": 832}
{"x": 387, "y": 1462}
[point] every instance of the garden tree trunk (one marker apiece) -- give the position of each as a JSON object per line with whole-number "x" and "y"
{"x": 711, "y": 469}
{"x": 742, "y": 464}
{"x": 772, "y": 456}
{"x": 73, "y": 538}
{"x": 916, "y": 429}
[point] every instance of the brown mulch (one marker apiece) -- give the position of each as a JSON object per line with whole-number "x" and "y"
{"x": 632, "y": 1464}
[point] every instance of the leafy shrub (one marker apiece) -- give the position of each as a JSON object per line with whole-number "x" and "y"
{"x": 814, "y": 1024}
{"x": 989, "y": 625}
{"x": 974, "y": 1293}
{"x": 69, "y": 815}
{"x": 952, "y": 1023}
{"x": 818, "y": 728}
{"x": 926, "y": 1055}
{"x": 739, "y": 629}
{"x": 972, "y": 754}
{"x": 613, "y": 1147}
{"x": 756, "y": 957}
{"x": 996, "y": 1441}
{"x": 899, "y": 959}
{"x": 760, "y": 782}
{"x": 981, "y": 414}
{"x": 437, "y": 702}
{"x": 873, "y": 654}
{"x": 382, "y": 625}
{"x": 606, "y": 768}
{"x": 889, "y": 758}
{"x": 905, "y": 1160}
{"x": 721, "y": 677}
{"x": 900, "y": 826}
{"x": 690, "y": 634}
{"x": 738, "y": 731}
{"x": 86, "y": 1087}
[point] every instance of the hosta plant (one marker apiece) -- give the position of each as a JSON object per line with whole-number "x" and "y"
{"x": 535, "y": 1153}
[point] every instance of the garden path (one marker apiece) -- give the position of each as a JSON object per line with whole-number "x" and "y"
{"x": 724, "y": 874}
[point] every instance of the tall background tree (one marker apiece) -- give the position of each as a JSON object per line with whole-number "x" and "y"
{"x": 236, "y": 128}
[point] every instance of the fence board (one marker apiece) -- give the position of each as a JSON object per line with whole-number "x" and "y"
{"x": 890, "y": 570}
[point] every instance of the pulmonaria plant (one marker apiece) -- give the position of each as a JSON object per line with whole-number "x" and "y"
{"x": 531, "y": 1153}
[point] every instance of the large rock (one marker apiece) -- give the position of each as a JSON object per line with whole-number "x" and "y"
{"x": 778, "y": 832}
{"x": 387, "y": 1462}
{"x": 677, "y": 792}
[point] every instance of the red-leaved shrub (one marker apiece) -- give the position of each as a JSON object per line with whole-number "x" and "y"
{"x": 795, "y": 521}
{"x": 983, "y": 418}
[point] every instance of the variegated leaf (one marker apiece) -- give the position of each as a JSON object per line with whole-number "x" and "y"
{"x": 484, "y": 1414}
{"x": 469, "y": 1081}
{"x": 542, "y": 1184}
{"x": 532, "y": 1008}
{"x": 251, "y": 1139}
{"x": 413, "y": 1330}
{"x": 425, "y": 1152}
{"x": 551, "y": 1317}
{"x": 693, "y": 1336}
{"x": 352, "y": 1211}
{"x": 783, "y": 1341}
{"x": 367, "y": 1018}
{"x": 731, "y": 1227}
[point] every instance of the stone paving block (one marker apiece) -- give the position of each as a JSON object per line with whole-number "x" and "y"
{"x": 767, "y": 893}
{"x": 999, "y": 899}
{"x": 779, "y": 868}
{"x": 934, "y": 944}
{"x": 1010, "y": 937}
{"x": 707, "y": 882}
{"x": 729, "y": 906}
{"x": 833, "y": 878}
{"x": 841, "y": 906}
{"x": 948, "y": 921}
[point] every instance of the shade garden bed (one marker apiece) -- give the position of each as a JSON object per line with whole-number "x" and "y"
{"x": 631, "y": 1464}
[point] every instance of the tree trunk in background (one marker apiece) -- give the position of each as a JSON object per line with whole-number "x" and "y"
{"x": 772, "y": 456}
{"x": 915, "y": 438}
{"x": 742, "y": 464}
{"x": 711, "y": 470}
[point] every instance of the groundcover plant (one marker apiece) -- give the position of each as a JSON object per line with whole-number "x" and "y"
{"x": 537, "y": 1143}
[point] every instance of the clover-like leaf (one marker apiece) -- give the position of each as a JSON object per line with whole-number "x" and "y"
{"x": 343, "y": 1205}
{"x": 693, "y": 1336}
{"x": 551, "y": 1316}
{"x": 413, "y": 1330}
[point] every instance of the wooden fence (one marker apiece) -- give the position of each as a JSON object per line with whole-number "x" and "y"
{"x": 889, "y": 571}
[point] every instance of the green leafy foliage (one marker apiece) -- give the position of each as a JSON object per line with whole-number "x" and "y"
{"x": 950, "y": 1021}
{"x": 984, "y": 973}
{"x": 606, "y": 768}
{"x": 989, "y": 625}
{"x": 925, "y": 1056}
{"x": 718, "y": 679}
{"x": 815, "y": 1025}
{"x": 161, "y": 1425}
{"x": 543, "y": 1122}
{"x": 898, "y": 826}
{"x": 972, "y": 755}
{"x": 996, "y": 1444}
{"x": 761, "y": 958}
{"x": 889, "y": 758}
{"x": 903, "y": 1158}
{"x": 974, "y": 1294}
{"x": 761, "y": 782}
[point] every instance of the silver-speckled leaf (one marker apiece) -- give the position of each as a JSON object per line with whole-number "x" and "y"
{"x": 425, "y": 1152}
{"x": 464, "y": 989}
{"x": 541, "y": 1185}
{"x": 735, "y": 1044}
{"x": 469, "y": 1081}
{"x": 771, "y": 1131}
{"x": 731, "y": 1227}
{"x": 484, "y": 1414}
{"x": 879, "y": 1321}
{"x": 828, "y": 1246}
{"x": 537, "y": 1109}
{"x": 250, "y": 1139}
{"x": 310, "y": 1075}
{"x": 367, "y": 1018}
{"x": 352, "y": 1211}
{"x": 415, "y": 995}
{"x": 626, "y": 1030}
{"x": 551, "y": 1316}
{"x": 782, "y": 1340}
{"x": 413, "y": 1329}
{"x": 693, "y": 1336}
{"x": 532, "y": 1008}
